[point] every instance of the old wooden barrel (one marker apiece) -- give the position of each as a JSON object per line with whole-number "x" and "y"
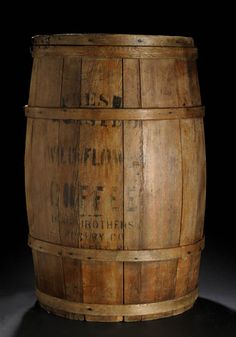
{"x": 115, "y": 175}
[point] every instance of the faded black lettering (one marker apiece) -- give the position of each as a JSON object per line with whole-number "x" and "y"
{"x": 116, "y": 103}
{"x": 86, "y": 154}
{"x": 54, "y": 194}
{"x": 97, "y": 197}
{"x": 103, "y": 99}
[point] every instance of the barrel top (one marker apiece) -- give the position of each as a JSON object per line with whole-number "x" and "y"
{"x": 113, "y": 40}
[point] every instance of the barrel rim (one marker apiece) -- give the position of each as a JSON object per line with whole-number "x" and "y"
{"x": 102, "y": 39}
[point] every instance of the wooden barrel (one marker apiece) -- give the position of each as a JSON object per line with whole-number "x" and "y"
{"x": 115, "y": 175}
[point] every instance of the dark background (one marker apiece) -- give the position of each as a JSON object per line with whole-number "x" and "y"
{"x": 213, "y": 35}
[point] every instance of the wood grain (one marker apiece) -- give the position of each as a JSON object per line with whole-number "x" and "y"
{"x": 133, "y": 184}
{"x": 194, "y": 176}
{"x": 108, "y": 114}
{"x": 117, "y": 52}
{"x": 129, "y": 255}
{"x": 101, "y": 212}
{"x": 115, "y": 175}
{"x": 70, "y": 94}
{"x": 162, "y": 191}
{"x": 65, "y": 153}
{"x": 65, "y": 187}
{"x": 131, "y": 83}
{"x": 112, "y": 40}
{"x": 187, "y": 274}
{"x": 101, "y": 84}
{"x": 40, "y": 206}
{"x": 165, "y": 83}
{"x": 50, "y": 277}
{"x": 163, "y": 307}
{"x": 101, "y": 180}
{"x": 160, "y": 215}
{"x": 46, "y": 82}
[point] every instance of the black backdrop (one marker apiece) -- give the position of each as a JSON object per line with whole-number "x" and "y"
{"x": 215, "y": 66}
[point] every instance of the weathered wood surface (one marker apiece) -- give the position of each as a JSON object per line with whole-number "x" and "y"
{"x": 71, "y": 307}
{"x": 113, "y": 40}
{"x": 129, "y": 255}
{"x": 117, "y": 52}
{"x": 98, "y": 182}
{"x": 109, "y": 114}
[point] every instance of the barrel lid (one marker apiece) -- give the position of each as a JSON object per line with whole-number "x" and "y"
{"x": 113, "y": 40}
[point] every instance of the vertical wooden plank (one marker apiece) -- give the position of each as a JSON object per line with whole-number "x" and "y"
{"x": 28, "y": 172}
{"x": 133, "y": 159}
{"x": 187, "y": 274}
{"x": 133, "y": 184}
{"x": 162, "y": 154}
{"x": 73, "y": 279}
{"x": 50, "y": 275}
{"x": 40, "y": 173}
{"x": 156, "y": 211}
{"x": 102, "y": 284}
{"x": 162, "y": 184}
{"x": 151, "y": 282}
{"x": 36, "y": 267}
{"x": 163, "y": 276}
{"x": 39, "y": 176}
{"x": 33, "y": 82}
{"x": 182, "y": 276}
{"x": 158, "y": 83}
{"x": 64, "y": 155}
{"x": 194, "y": 89}
{"x": 70, "y": 96}
{"x": 101, "y": 83}
{"x": 65, "y": 191}
{"x": 45, "y": 91}
{"x": 161, "y": 86}
{"x": 131, "y": 82}
{"x": 152, "y": 199}
{"x": 147, "y": 275}
{"x": 101, "y": 209}
{"x": 193, "y": 153}
{"x": 166, "y": 83}
{"x": 194, "y": 272}
{"x": 202, "y": 182}
{"x": 101, "y": 184}
{"x": 46, "y": 82}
